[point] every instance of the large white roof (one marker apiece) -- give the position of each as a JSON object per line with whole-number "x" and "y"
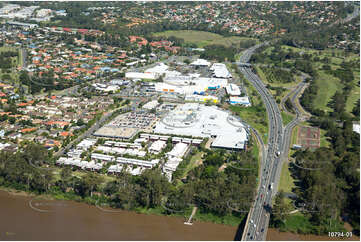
{"x": 159, "y": 69}
{"x": 233, "y": 90}
{"x": 178, "y": 150}
{"x": 200, "y": 62}
{"x": 356, "y": 128}
{"x": 198, "y": 120}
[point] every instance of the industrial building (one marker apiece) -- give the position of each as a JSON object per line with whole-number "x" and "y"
{"x": 157, "y": 70}
{"x": 157, "y": 146}
{"x": 240, "y": 100}
{"x": 220, "y": 70}
{"x": 140, "y": 75}
{"x": 198, "y": 120}
{"x": 187, "y": 86}
{"x": 200, "y": 62}
{"x": 233, "y": 90}
{"x": 201, "y": 98}
{"x": 150, "y": 105}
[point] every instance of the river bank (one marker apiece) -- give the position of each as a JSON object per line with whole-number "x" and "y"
{"x": 69, "y": 220}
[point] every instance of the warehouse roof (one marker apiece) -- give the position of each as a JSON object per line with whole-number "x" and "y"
{"x": 198, "y": 120}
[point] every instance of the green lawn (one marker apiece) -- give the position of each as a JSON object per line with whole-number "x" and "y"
{"x": 297, "y": 223}
{"x": 202, "y": 38}
{"x": 251, "y": 115}
{"x": 323, "y": 139}
{"x": 193, "y": 163}
{"x": 16, "y": 60}
{"x": 355, "y": 93}
{"x": 20, "y": 59}
{"x": 327, "y": 86}
{"x": 78, "y": 173}
{"x": 254, "y": 118}
{"x": 286, "y": 181}
{"x": 227, "y": 220}
{"x": 294, "y": 135}
{"x": 286, "y": 118}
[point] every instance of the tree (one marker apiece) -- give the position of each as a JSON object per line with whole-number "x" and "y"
{"x": 356, "y": 109}
{"x": 187, "y": 61}
{"x": 65, "y": 175}
{"x": 12, "y": 120}
{"x": 153, "y": 185}
{"x": 88, "y": 184}
{"x": 280, "y": 210}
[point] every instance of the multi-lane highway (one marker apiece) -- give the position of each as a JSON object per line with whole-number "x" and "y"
{"x": 258, "y": 218}
{"x": 277, "y": 151}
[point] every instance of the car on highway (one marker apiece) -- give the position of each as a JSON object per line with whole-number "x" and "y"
{"x": 271, "y": 186}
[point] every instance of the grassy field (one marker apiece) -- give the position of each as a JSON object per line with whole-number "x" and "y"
{"x": 286, "y": 181}
{"x": 297, "y": 223}
{"x": 327, "y": 85}
{"x": 202, "y": 38}
{"x": 294, "y": 135}
{"x": 57, "y": 170}
{"x": 355, "y": 93}
{"x": 17, "y": 61}
{"x": 252, "y": 115}
{"x": 228, "y": 219}
{"x": 254, "y": 118}
{"x": 286, "y": 118}
{"x": 323, "y": 139}
{"x": 194, "y": 162}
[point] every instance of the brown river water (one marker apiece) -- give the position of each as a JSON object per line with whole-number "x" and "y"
{"x": 23, "y": 218}
{"x": 68, "y": 220}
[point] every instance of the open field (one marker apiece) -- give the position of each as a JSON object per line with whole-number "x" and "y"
{"x": 286, "y": 181}
{"x": 294, "y": 135}
{"x": 202, "y": 38}
{"x": 17, "y": 61}
{"x": 78, "y": 173}
{"x": 327, "y": 86}
{"x": 254, "y": 118}
{"x": 355, "y": 93}
{"x": 286, "y": 118}
{"x": 195, "y": 161}
{"x": 327, "y": 83}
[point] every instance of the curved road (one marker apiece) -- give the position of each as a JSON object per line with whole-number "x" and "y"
{"x": 258, "y": 218}
{"x": 278, "y": 141}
